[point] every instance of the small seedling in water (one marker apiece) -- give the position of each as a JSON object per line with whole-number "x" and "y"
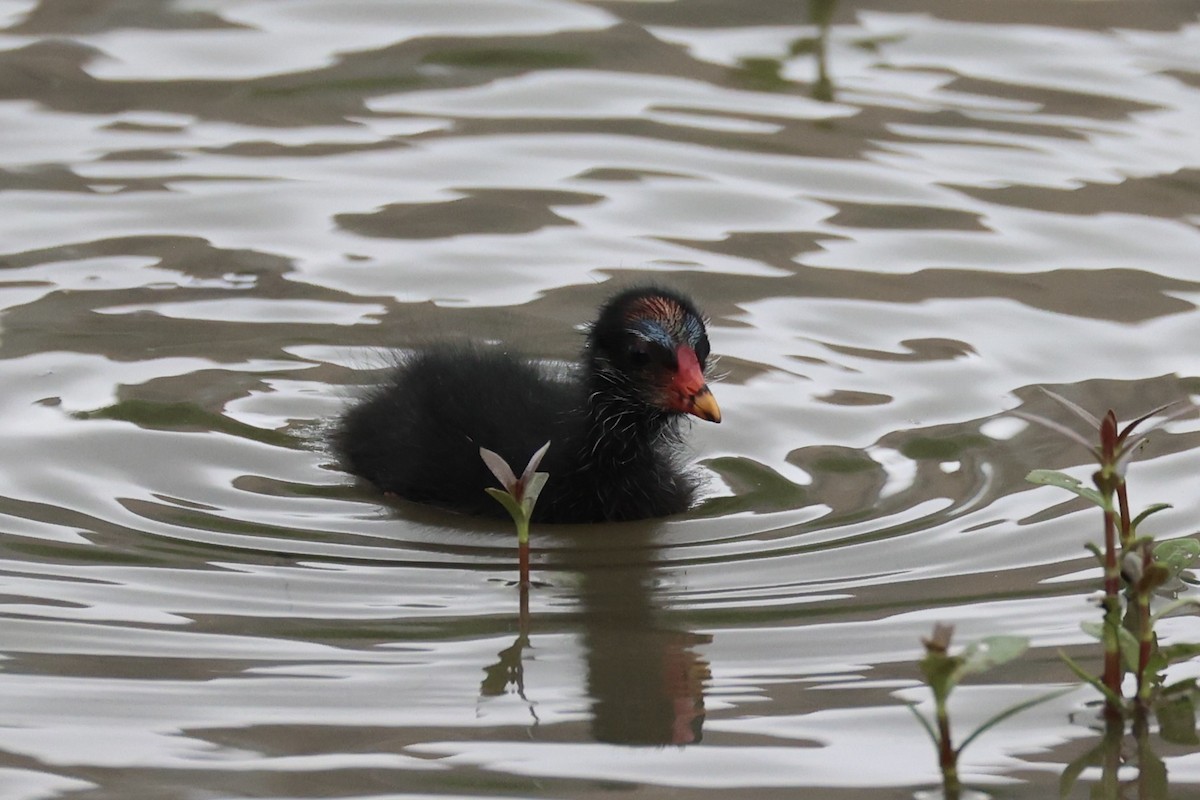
{"x": 518, "y": 496}
{"x": 942, "y": 672}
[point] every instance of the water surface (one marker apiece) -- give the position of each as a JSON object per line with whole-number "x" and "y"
{"x": 903, "y": 219}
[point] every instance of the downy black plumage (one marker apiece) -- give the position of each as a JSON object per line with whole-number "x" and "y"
{"x": 613, "y": 420}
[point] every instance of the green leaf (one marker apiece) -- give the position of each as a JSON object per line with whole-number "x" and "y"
{"x": 1155, "y": 665}
{"x": 1185, "y": 545}
{"x": 991, "y": 652}
{"x": 1174, "y": 606}
{"x": 1180, "y": 651}
{"x": 1177, "y": 554}
{"x": 1012, "y": 711}
{"x": 942, "y": 673}
{"x": 509, "y": 502}
{"x": 924, "y": 723}
{"x": 1129, "y": 648}
{"x": 1093, "y": 629}
{"x": 1148, "y": 511}
{"x": 1050, "y": 477}
{"x": 1071, "y": 773}
{"x": 1152, "y": 774}
{"x": 1129, "y": 427}
{"x": 1177, "y": 719}
{"x": 1087, "y": 677}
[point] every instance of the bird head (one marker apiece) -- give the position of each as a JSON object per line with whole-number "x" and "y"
{"x": 651, "y": 346}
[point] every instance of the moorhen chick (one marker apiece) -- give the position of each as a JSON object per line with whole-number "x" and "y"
{"x": 613, "y": 420}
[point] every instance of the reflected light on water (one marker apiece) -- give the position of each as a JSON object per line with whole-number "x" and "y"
{"x": 220, "y": 220}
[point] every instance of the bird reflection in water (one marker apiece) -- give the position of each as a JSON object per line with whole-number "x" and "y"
{"x": 645, "y": 678}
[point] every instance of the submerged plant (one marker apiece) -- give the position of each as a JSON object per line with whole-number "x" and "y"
{"x": 943, "y": 671}
{"x": 518, "y": 496}
{"x": 1135, "y": 566}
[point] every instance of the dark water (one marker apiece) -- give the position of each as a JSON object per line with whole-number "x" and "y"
{"x": 903, "y": 218}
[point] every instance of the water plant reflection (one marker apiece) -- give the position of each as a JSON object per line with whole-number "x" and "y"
{"x": 766, "y": 73}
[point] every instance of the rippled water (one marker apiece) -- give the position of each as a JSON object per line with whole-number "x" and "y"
{"x": 218, "y": 216}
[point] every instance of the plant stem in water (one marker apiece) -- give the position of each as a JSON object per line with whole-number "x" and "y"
{"x": 947, "y": 757}
{"x": 523, "y": 551}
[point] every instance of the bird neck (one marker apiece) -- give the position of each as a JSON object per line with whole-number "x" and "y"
{"x": 622, "y": 431}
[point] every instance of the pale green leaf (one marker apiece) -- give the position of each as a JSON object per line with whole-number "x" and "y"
{"x": 1151, "y": 510}
{"x": 924, "y": 723}
{"x": 1180, "y": 651}
{"x": 941, "y": 673}
{"x": 1089, "y": 678}
{"x": 1177, "y": 554}
{"x": 1177, "y": 719}
{"x": 1174, "y": 606}
{"x": 1050, "y": 477}
{"x": 509, "y": 502}
{"x": 991, "y": 652}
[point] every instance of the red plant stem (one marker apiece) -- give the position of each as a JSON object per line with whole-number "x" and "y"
{"x": 523, "y": 618}
{"x": 1112, "y": 613}
{"x": 523, "y": 559}
{"x": 1108, "y": 481}
{"x": 947, "y": 757}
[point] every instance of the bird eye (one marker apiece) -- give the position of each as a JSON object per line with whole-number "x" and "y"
{"x": 702, "y": 350}
{"x": 639, "y": 353}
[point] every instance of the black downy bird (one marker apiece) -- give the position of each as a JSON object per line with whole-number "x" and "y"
{"x": 613, "y": 420}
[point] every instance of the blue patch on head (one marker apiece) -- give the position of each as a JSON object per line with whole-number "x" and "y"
{"x": 653, "y": 331}
{"x": 693, "y": 329}
{"x": 663, "y": 321}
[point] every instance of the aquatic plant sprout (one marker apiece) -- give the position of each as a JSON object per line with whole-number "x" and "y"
{"x": 1135, "y": 566}
{"x": 519, "y": 496}
{"x": 943, "y": 671}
